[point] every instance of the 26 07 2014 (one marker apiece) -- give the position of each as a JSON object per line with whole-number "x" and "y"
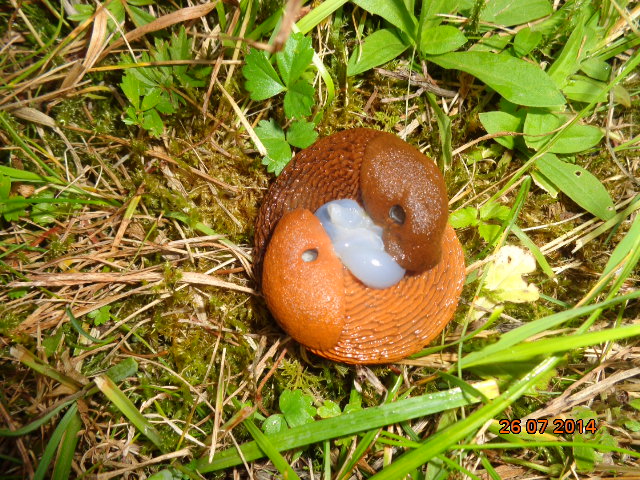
{"x": 561, "y": 426}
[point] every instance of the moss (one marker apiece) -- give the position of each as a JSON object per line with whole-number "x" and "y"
{"x": 9, "y": 321}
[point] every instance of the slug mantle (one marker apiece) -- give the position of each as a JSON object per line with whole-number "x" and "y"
{"x": 307, "y": 289}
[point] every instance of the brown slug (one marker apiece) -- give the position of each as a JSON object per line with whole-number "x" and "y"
{"x": 309, "y": 291}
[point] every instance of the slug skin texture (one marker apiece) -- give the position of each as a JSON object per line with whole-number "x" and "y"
{"x": 319, "y": 302}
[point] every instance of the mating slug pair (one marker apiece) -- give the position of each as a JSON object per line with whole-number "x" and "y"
{"x": 308, "y": 289}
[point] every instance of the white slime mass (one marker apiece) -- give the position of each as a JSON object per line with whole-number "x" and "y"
{"x": 358, "y": 243}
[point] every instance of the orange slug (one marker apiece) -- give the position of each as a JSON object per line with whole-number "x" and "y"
{"x": 313, "y": 296}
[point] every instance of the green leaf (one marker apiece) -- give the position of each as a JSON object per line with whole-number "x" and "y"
{"x": 276, "y": 162}
{"x": 270, "y": 451}
{"x": 585, "y": 89}
{"x": 632, "y": 425}
{"x": 131, "y": 116}
{"x": 141, "y": 3}
{"x": 52, "y": 342}
{"x": 297, "y": 407}
{"x": 131, "y": 88}
{"x": 329, "y": 409}
{"x": 180, "y": 47}
{"x": 493, "y": 43}
{"x": 586, "y": 457}
{"x": 274, "y": 424}
{"x": 262, "y": 80}
{"x": 152, "y": 122}
{"x": 302, "y": 134}
{"x": 294, "y": 59}
{"x": 493, "y": 210}
{"x": 165, "y": 474}
{"x": 510, "y": 340}
{"x": 621, "y": 96}
{"x": 44, "y": 213}
{"x": 578, "y": 184}
{"x": 514, "y": 12}
{"x": 525, "y": 41}
{"x": 17, "y": 293}
{"x": 430, "y": 11}
{"x": 126, "y": 368}
{"x": 489, "y": 232}
{"x": 101, "y": 315}
{"x": 495, "y": 122}
{"x": 355, "y": 402}
{"x": 393, "y": 11}
{"x": 553, "y": 345}
{"x": 464, "y": 217}
{"x": 378, "y": 48}
{"x": 541, "y": 127}
{"x": 139, "y": 16}
{"x": 78, "y": 327}
{"x": 12, "y": 209}
{"x": 516, "y": 80}
{"x": 83, "y": 12}
{"x": 596, "y": 68}
{"x": 299, "y": 99}
{"x": 151, "y": 99}
{"x": 117, "y": 11}
{"x": 441, "y": 39}
{"x": 568, "y": 62}
{"x": 164, "y": 105}
{"x": 278, "y": 150}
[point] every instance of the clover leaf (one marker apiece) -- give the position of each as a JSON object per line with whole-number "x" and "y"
{"x": 264, "y": 82}
{"x": 300, "y": 134}
{"x": 297, "y": 407}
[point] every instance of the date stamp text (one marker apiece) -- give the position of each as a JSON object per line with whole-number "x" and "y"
{"x": 559, "y": 426}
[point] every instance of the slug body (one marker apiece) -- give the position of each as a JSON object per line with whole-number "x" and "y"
{"x": 312, "y": 295}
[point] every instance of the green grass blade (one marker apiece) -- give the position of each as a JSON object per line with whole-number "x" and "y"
{"x": 318, "y": 14}
{"x": 549, "y": 346}
{"x": 17, "y": 138}
{"x": 118, "y": 372}
{"x": 348, "y": 424}
{"x": 128, "y": 409}
{"x": 270, "y": 451}
{"x": 535, "y": 251}
{"x": 518, "y": 203}
{"x": 67, "y": 448}
{"x": 54, "y": 441}
{"x": 520, "y": 334}
{"x": 63, "y": 200}
{"x": 30, "y": 360}
{"x": 602, "y": 447}
{"x": 36, "y": 423}
{"x": 444, "y": 131}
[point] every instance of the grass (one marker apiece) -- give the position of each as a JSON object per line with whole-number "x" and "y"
{"x": 135, "y": 153}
